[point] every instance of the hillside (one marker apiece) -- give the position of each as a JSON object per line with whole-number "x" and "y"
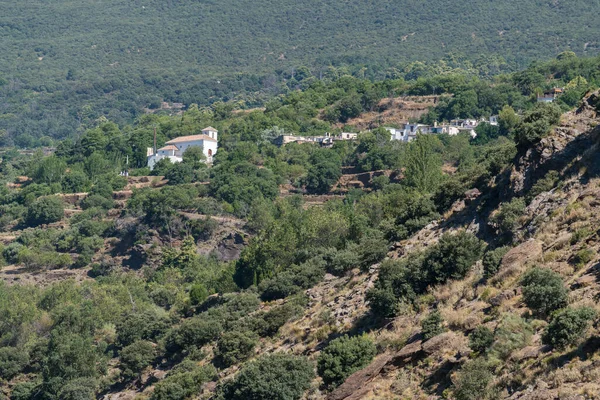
{"x": 444, "y": 267}
{"x": 67, "y": 63}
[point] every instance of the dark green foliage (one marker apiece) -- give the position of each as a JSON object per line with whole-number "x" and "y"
{"x": 267, "y": 323}
{"x": 24, "y": 390}
{"x": 481, "y": 339}
{"x": 180, "y": 173}
{"x": 183, "y": 382}
{"x": 12, "y": 361}
{"x": 537, "y": 123}
{"x": 135, "y": 357}
{"x": 241, "y": 183}
{"x": 473, "y": 381}
{"x": 543, "y": 290}
{"x": 447, "y": 193}
{"x": 292, "y": 281}
{"x": 271, "y": 377}
{"x": 145, "y": 325}
{"x": 95, "y": 200}
{"x": 413, "y": 213}
{"x": 568, "y": 326}
{"x": 324, "y": 171}
{"x": 492, "y": 259}
{"x": 193, "y": 333}
{"x": 236, "y": 346}
{"x": 198, "y": 293}
{"x": 344, "y": 356}
{"x": 450, "y": 258}
{"x": 432, "y": 325}
{"x": 507, "y": 218}
{"x": 45, "y": 210}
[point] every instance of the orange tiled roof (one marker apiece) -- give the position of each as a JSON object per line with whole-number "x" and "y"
{"x": 191, "y": 138}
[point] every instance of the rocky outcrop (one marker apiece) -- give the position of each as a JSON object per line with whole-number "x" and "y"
{"x": 231, "y": 247}
{"x": 517, "y": 256}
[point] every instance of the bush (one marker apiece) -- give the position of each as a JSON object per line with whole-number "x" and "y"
{"x": 507, "y": 218}
{"x": 583, "y": 256}
{"x": 145, "y": 325}
{"x": 271, "y": 377}
{"x": 537, "y": 123}
{"x": 481, "y": 339}
{"x": 344, "y": 356}
{"x": 198, "y": 293}
{"x": 95, "y": 200}
{"x": 543, "y": 290}
{"x": 182, "y": 383}
{"x": 568, "y": 326}
{"x": 432, "y": 325}
{"x": 268, "y": 323}
{"x": 135, "y": 357}
{"x": 513, "y": 333}
{"x": 235, "y": 346}
{"x": 193, "y": 333}
{"x": 473, "y": 381}
{"x": 12, "y": 361}
{"x": 491, "y": 261}
{"x": 292, "y": 281}
{"x": 45, "y": 210}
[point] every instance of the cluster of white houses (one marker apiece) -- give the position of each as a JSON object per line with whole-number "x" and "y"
{"x": 207, "y": 140}
{"x": 174, "y": 148}
{"x": 409, "y": 131}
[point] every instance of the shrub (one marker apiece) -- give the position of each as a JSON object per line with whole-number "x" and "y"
{"x": 95, "y": 200}
{"x": 293, "y": 280}
{"x": 236, "y": 346}
{"x": 12, "y": 361}
{"x": 268, "y": 323}
{"x": 473, "y": 381}
{"x": 491, "y": 261}
{"x": 543, "y": 290}
{"x": 45, "y": 210}
{"x": 193, "y": 333}
{"x": 432, "y": 325}
{"x": 344, "y": 356}
{"x": 481, "y": 339}
{"x": 271, "y": 377}
{"x": 24, "y": 390}
{"x": 198, "y": 293}
{"x": 507, "y": 217}
{"x": 146, "y": 325}
{"x": 513, "y": 333}
{"x": 583, "y": 256}
{"x": 537, "y": 123}
{"x": 182, "y": 383}
{"x": 568, "y": 326}
{"x": 136, "y": 357}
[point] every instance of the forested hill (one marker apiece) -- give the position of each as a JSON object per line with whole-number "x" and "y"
{"x": 65, "y": 62}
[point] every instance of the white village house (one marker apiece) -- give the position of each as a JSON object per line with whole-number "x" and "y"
{"x": 174, "y": 148}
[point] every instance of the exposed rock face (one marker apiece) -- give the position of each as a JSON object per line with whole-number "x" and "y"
{"x": 231, "y": 247}
{"x": 355, "y": 387}
{"x": 521, "y": 254}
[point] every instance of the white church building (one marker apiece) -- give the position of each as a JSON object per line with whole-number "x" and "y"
{"x": 174, "y": 148}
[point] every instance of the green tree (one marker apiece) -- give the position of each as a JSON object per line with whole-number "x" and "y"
{"x": 135, "y": 357}
{"x": 473, "y": 381}
{"x": 432, "y": 325}
{"x": 344, "y": 356}
{"x": 543, "y": 290}
{"x": 568, "y": 326}
{"x": 271, "y": 377}
{"x": 236, "y": 346}
{"x": 423, "y": 163}
{"x": 45, "y": 210}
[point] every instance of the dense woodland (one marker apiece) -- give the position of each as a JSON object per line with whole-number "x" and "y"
{"x": 194, "y": 315}
{"x": 66, "y": 64}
